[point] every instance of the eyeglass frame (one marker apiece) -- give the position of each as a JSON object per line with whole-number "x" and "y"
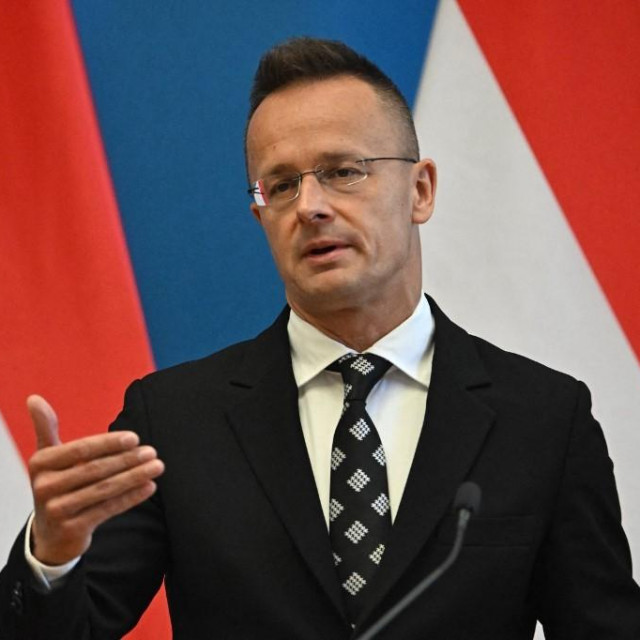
{"x": 258, "y": 194}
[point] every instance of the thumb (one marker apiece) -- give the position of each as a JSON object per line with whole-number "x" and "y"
{"x": 45, "y": 421}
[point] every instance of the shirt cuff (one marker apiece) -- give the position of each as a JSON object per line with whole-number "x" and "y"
{"x": 47, "y": 576}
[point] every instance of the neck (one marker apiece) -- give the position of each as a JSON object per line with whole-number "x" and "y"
{"x": 356, "y": 328}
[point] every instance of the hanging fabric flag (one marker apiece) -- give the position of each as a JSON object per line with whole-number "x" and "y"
{"x": 71, "y": 325}
{"x": 531, "y": 113}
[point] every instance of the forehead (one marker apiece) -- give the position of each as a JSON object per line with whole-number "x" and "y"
{"x": 300, "y": 124}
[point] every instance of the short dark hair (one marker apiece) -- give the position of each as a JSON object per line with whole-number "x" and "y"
{"x": 304, "y": 59}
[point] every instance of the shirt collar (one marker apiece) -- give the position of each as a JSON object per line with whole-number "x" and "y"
{"x": 407, "y": 347}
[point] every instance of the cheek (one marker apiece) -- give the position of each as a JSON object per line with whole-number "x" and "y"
{"x": 278, "y": 241}
{"x": 393, "y": 227}
{"x": 393, "y": 247}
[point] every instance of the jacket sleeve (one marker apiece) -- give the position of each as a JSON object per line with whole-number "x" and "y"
{"x": 106, "y": 593}
{"x": 584, "y": 581}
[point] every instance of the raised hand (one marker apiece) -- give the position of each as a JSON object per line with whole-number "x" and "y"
{"x": 78, "y": 485}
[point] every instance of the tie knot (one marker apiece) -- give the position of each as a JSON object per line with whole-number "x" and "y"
{"x": 360, "y": 372}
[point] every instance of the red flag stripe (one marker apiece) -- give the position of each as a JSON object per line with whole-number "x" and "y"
{"x": 71, "y": 326}
{"x": 569, "y": 72}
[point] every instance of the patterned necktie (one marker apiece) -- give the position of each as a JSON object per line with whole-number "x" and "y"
{"x": 359, "y": 508}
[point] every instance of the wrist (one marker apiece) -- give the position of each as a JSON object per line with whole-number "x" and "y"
{"x": 46, "y": 574}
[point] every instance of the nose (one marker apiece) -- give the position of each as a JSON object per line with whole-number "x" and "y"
{"x": 312, "y": 203}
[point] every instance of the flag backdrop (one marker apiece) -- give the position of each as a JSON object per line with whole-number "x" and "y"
{"x": 125, "y": 236}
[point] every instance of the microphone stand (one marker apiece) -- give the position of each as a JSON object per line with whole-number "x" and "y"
{"x": 465, "y": 512}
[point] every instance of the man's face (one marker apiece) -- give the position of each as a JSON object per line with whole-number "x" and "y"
{"x": 351, "y": 250}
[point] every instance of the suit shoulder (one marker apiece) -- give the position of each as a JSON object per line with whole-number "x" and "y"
{"x": 517, "y": 369}
{"x": 243, "y": 362}
{"x": 217, "y": 365}
{"x": 476, "y": 361}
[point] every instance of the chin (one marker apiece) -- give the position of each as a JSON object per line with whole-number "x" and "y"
{"x": 330, "y": 297}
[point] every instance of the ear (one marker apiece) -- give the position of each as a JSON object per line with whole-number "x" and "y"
{"x": 255, "y": 209}
{"x": 425, "y": 179}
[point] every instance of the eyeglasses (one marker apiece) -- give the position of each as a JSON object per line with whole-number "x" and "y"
{"x": 338, "y": 176}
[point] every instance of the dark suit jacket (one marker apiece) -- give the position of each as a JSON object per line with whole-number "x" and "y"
{"x": 237, "y": 528}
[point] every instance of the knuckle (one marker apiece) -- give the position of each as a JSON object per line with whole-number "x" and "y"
{"x": 82, "y": 450}
{"x": 40, "y": 487}
{"x": 127, "y": 460}
{"x": 115, "y": 506}
{"x": 112, "y": 507}
{"x": 132, "y": 458}
{"x": 140, "y": 474}
{"x": 128, "y": 499}
{"x": 142, "y": 491}
{"x": 94, "y": 468}
{"x": 34, "y": 465}
{"x": 56, "y": 510}
{"x": 104, "y": 487}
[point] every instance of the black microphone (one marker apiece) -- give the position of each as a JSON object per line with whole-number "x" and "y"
{"x": 465, "y": 504}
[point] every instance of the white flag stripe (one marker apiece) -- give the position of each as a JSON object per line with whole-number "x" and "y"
{"x": 15, "y": 493}
{"x": 500, "y": 255}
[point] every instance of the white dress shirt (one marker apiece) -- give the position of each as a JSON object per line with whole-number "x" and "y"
{"x": 396, "y": 404}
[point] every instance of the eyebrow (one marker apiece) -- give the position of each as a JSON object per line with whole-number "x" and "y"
{"x": 327, "y": 156}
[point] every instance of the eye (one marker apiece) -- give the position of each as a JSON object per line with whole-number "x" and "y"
{"x": 346, "y": 172}
{"x": 279, "y": 186}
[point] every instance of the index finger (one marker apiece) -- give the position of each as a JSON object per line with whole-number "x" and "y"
{"x": 67, "y": 455}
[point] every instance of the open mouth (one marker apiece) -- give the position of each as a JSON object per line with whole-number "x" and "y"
{"x": 322, "y": 250}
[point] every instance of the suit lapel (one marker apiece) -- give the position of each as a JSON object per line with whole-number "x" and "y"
{"x": 456, "y": 425}
{"x": 267, "y": 424}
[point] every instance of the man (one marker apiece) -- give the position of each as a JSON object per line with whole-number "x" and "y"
{"x": 247, "y": 524}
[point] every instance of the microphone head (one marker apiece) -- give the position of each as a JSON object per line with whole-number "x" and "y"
{"x": 468, "y": 497}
